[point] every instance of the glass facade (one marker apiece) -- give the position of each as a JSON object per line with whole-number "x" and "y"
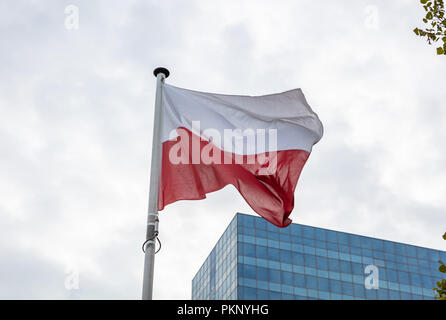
{"x": 217, "y": 277}
{"x": 257, "y": 260}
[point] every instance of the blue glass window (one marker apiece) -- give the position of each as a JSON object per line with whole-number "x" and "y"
{"x": 355, "y": 251}
{"x": 335, "y": 286}
{"x": 412, "y": 261}
{"x": 366, "y": 243}
{"x": 261, "y": 233}
{"x": 299, "y": 280}
{"x": 247, "y": 220}
{"x": 249, "y": 271}
{"x": 333, "y": 265}
{"x": 285, "y": 256}
{"x": 274, "y": 254}
{"x": 273, "y": 235}
{"x": 261, "y": 252}
{"x": 285, "y": 237}
{"x": 298, "y": 259}
{"x": 406, "y": 296}
{"x": 321, "y": 244}
{"x": 390, "y": 264}
{"x": 287, "y": 296}
{"x": 403, "y": 277}
{"x": 249, "y": 293}
{"x": 320, "y": 234}
{"x": 357, "y": 268}
{"x": 377, "y": 244}
{"x": 332, "y": 246}
{"x": 383, "y": 294}
{"x": 354, "y": 240}
{"x": 371, "y": 294}
{"x": 309, "y": 250}
{"x": 240, "y": 292}
{"x": 310, "y": 261}
{"x": 311, "y": 282}
{"x": 296, "y": 240}
{"x": 249, "y": 250}
{"x": 400, "y": 249}
{"x": 274, "y": 275}
{"x": 392, "y": 275}
{"x": 260, "y": 224}
{"x": 367, "y": 253}
{"x": 346, "y": 267}
{"x": 284, "y": 231}
{"x": 240, "y": 249}
{"x": 322, "y": 284}
{"x": 308, "y": 232}
{"x": 322, "y": 263}
{"x": 262, "y": 274}
{"x": 389, "y": 247}
{"x": 358, "y": 290}
{"x": 331, "y": 236}
{"x": 434, "y": 255}
{"x": 378, "y": 254}
{"x": 389, "y": 257}
{"x": 401, "y": 260}
{"x": 382, "y": 275}
{"x": 287, "y": 277}
{"x": 309, "y": 242}
{"x": 425, "y": 271}
{"x": 427, "y": 281}
{"x": 413, "y": 268}
{"x": 248, "y": 231}
{"x": 394, "y": 295}
{"x": 262, "y": 294}
{"x": 275, "y": 295}
{"x": 422, "y": 253}
{"x": 296, "y": 230}
{"x": 347, "y": 288}
{"x": 343, "y": 238}
{"x": 424, "y": 263}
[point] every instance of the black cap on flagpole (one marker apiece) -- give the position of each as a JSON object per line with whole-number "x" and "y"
{"x": 161, "y": 70}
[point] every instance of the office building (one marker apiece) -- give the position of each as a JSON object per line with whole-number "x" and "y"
{"x": 254, "y": 259}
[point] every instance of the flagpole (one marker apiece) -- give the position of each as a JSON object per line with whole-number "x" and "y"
{"x": 152, "y": 218}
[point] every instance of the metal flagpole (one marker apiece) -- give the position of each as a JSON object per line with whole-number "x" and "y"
{"x": 152, "y": 219}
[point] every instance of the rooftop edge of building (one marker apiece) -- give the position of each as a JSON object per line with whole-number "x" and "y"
{"x": 332, "y": 230}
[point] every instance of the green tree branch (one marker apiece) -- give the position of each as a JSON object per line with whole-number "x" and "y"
{"x": 440, "y": 290}
{"x": 435, "y": 24}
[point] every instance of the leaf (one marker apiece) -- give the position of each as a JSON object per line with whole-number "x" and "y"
{"x": 416, "y": 31}
{"x": 444, "y": 236}
{"x": 429, "y": 16}
{"x": 423, "y": 1}
{"x": 442, "y": 268}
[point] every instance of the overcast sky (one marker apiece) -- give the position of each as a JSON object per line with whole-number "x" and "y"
{"x": 76, "y": 112}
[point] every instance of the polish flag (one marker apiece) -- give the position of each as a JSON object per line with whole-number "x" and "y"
{"x": 259, "y": 144}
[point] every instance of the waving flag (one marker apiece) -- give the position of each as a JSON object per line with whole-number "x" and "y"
{"x": 258, "y": 144}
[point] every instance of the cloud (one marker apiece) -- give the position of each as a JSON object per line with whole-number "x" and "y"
{"x": 76, "y": 123}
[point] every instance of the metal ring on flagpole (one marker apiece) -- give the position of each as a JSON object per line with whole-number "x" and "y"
{"x": 151, "y": 239}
